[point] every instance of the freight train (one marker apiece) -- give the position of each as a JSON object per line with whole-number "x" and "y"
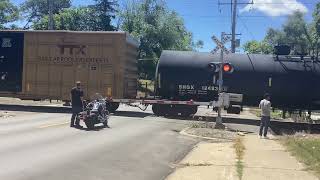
{"x": 39, "y": 65}
{"x": 292, "y": 81}
{"x": 45, "y": 64}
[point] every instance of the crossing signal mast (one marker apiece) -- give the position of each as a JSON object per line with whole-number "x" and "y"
{"x": 220, "y": 67}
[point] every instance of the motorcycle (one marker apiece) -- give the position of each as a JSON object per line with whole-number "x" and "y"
{"x": 95, "y": 112}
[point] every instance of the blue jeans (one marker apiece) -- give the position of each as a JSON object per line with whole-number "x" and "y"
{"x": 264, "y": 125}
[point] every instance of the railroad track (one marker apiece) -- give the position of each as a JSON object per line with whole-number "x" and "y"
{"x": 277, "y": 126}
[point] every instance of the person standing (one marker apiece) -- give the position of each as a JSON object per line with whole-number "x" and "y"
{"x": 77, "y": 104}
{"x": 265, "y": 106}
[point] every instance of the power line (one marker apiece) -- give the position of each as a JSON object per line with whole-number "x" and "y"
{"x": 246, "y": 27}
{"x": 234, "y": 4}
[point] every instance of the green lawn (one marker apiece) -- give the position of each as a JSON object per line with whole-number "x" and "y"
{"x": 150, "y": 83}
{"x": 277, "y": 114}
{"x": 307, "y": 150}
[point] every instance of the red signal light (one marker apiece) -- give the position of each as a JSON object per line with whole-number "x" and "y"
{"x": 227, "y": 68}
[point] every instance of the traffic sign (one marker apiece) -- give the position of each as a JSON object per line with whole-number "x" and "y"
{"x": 220, "y": 45}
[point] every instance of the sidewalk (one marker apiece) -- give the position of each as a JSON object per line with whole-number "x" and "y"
{"x": 263, "y": 160}
{"x": 208, "y": 161}
{"x": 267, "y": 159}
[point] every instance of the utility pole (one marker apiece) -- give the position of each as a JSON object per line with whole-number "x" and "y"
{"x": 51, "y": 20}
{"x": 234, "y": 23}
{"x": 234, "y": 4}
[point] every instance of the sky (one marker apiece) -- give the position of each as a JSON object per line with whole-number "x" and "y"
{"x": 205, "y": 18}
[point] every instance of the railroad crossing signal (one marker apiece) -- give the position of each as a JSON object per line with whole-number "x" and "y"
{"x": 215, "y": 67}
{"x": 220, "y": 45}
{"x": 220, "y": 67}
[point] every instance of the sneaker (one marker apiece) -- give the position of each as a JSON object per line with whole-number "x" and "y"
{"x": 260, "y": 137}
{"x": 266, "y": 137}
{"x": 71, "y": 125}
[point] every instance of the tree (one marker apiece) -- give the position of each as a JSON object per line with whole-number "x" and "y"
{"x": 35, "y": 10}
{"x": 315, "y": 31}
{"x": 252, "y": 47}
{"x": 256, "y": 47}
{"x": 157, "y": 28}
{"x": 197, "y": 45}
{"x": 95, "y": 17}
{"x": 8, "y": 13}
{"x": 104, "y": 12}
{"x": 274, "y": 37}
{"x": 74, "y": 19}
{"x": 296, "y": 33}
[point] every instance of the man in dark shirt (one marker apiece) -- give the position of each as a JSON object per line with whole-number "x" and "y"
{"x": 77, "y": 106}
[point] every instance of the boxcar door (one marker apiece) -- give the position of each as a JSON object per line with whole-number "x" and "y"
{"x": 11, "y": 61}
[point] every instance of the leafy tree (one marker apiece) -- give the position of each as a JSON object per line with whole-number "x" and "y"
{"x": 256, "y": 47}
{"x": 197, "y": 45}
{"x": 104, "y": 12}
{"x": 157, "y": 28}
{"x": 275, "y": 37}
{"x": 252, "y": 47}
{"x": 296, "y": 33}
{"x": 266, "y": 48}
{"x": 8, "y": 13}
{"x": 315, "y": 31}
{"x": 95, "y": 17}
{"x": 35, "y": 10}
{"x": 74, "y": 19}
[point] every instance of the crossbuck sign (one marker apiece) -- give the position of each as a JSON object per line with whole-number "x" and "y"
{"x": 220, "y": 45}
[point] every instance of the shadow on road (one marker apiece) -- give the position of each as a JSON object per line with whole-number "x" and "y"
{"x": 96, "y": 128}
{"x": 131, "y": 114}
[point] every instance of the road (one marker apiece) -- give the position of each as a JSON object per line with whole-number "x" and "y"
{"x": 137, "y": 146}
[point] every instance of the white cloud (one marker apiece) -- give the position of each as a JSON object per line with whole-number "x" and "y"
{"x": 275, "y": 7}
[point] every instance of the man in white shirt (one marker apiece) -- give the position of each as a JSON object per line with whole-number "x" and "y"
{"x": 265, "y": 106}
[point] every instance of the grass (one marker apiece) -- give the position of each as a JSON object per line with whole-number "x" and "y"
{"x": 150, "y": 83}
{"x": 239, "y": 148}
{"x": 199, "y": 164}
{"x": 143, "y": 90}
{"x": 307, "y": 150}
{"x": 201, "y": 125}
{"x": 277, "y": 114}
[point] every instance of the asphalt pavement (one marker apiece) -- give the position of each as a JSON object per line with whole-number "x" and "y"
{"x": 138, "y": 146}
